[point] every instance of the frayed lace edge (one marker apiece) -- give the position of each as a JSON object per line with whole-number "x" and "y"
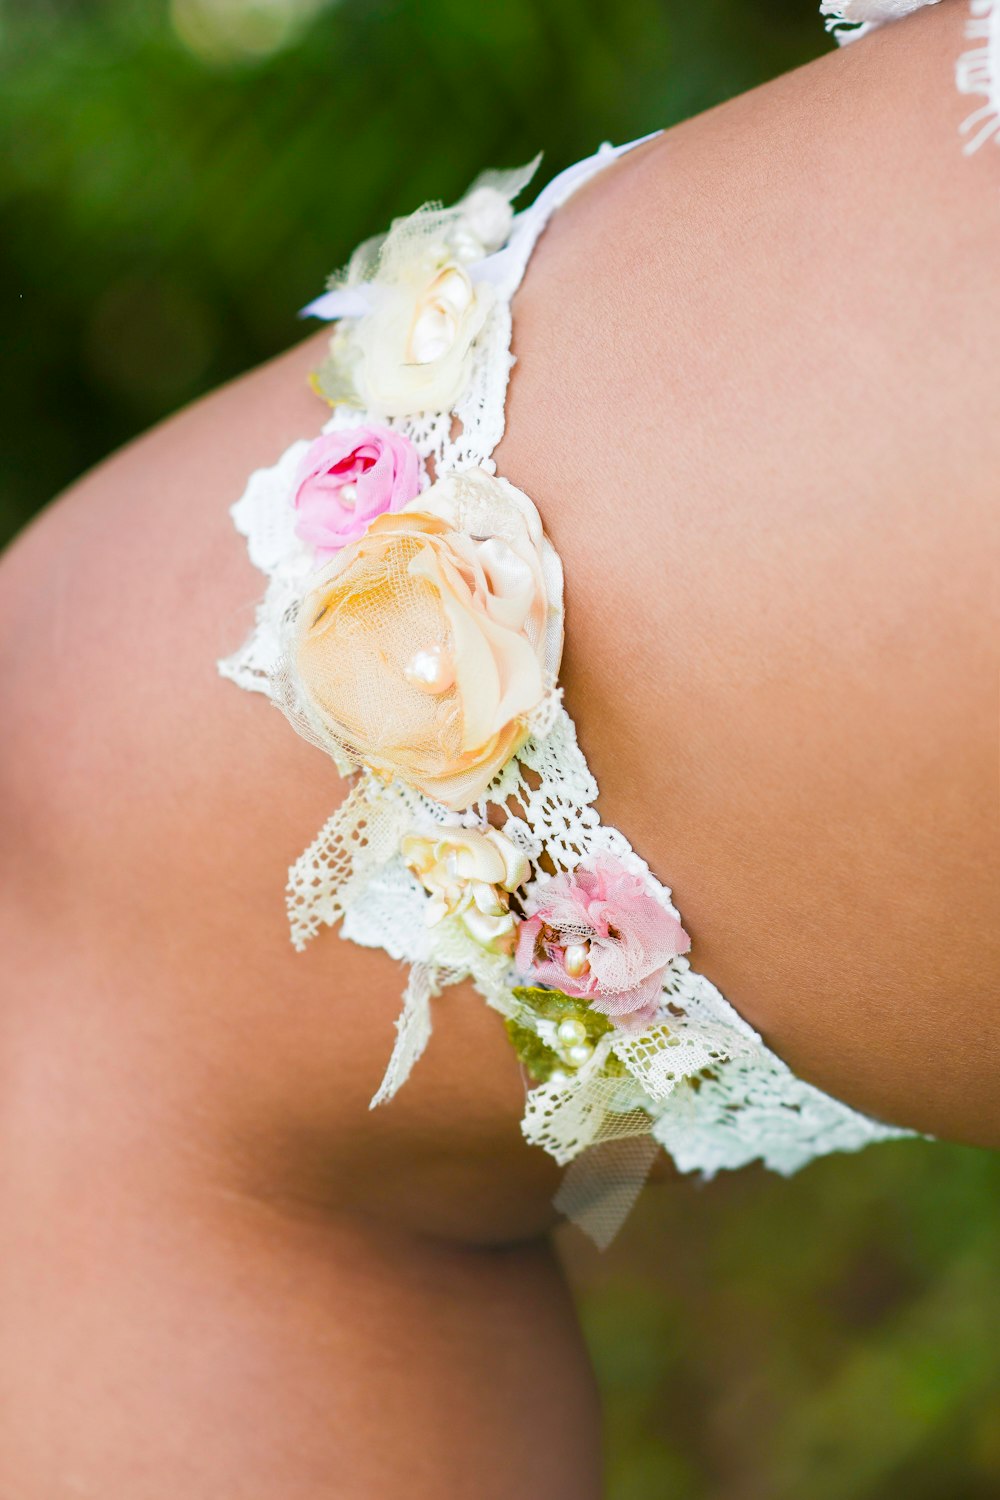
{"x": 845, "y": 31}
{"x": 977, "y": 72}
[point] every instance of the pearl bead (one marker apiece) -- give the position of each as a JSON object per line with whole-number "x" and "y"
{"x": 580, "y": 1054}
{"x": 577, "y": 959}
{"x": 571, "y": 1032}
{"x": 558, "y": 1076}
{"x": 430, "y": 670}
{"x": 348, "y": 495}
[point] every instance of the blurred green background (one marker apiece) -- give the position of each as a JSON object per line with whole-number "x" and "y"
{"x": 835, "y": 1336}
{"x": 176, "y": 178}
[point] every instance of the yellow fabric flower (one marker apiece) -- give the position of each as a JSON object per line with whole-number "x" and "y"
{"x": 426, "y": 645}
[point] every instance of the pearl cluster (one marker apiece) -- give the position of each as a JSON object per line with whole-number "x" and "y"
{"x": 575, "y": 1048}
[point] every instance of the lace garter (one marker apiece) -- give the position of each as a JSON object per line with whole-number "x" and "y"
{"x": 412, "y": 628}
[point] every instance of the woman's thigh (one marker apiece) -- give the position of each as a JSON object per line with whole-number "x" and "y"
{"x": 221, "y": 1274}
{"x": 756, "y": 403}
{"x": 759, "y": 420}
{"x": 760, "y": 424}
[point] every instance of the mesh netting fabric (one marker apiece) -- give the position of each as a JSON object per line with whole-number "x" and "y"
{"x": 566, "y": 1118}
{"x": 354, "y": 640}
{"x": 599, "y": 1188}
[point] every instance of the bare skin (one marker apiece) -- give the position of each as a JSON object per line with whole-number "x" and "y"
{"x": 760, "y": 422}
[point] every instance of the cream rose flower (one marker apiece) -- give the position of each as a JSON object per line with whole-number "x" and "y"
{"x": 413, "y": 351}
{"x": 409, "y": 347}
{"x": 469, "y": 875}
{"x": 426, "y": 645}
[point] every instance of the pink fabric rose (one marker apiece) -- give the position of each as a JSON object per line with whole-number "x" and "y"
{"x": 346, "y": 479}
{"x": 599, "y": 935}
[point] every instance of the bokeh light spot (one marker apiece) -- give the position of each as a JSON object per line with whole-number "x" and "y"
{"x": 222, "y": 32}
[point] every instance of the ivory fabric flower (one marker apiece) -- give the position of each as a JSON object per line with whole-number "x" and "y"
{"x": 413, "y": 351}
{"x": 410, "y": 349}
{"x": 597, "y": 934}
{"x": 469, "y": 875}
{"x": 425, "y": 645}
{"x": 346, "y": 479}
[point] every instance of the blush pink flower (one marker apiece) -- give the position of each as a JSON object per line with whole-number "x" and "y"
{"x": 597, "y": 934}
{"x": 346, "y": 479}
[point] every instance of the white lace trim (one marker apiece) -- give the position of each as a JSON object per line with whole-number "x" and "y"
{"x": 701, "y": 1082}
{"x": 977, "y": 71}
{"x": 850, "y": 19}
